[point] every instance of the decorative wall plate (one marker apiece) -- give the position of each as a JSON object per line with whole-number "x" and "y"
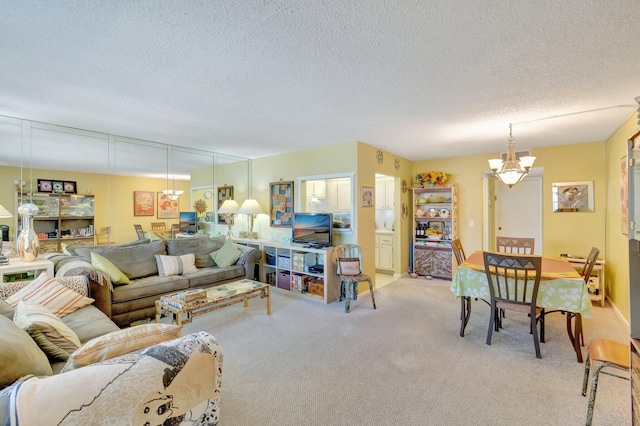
{"x": 380, "y": 157}
{"x": 404, "y": 185}
{"x": 396, "y": 164}
{"x": 405, "y": 210}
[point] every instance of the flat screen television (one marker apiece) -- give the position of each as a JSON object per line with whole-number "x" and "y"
{"x": 313, "y": 229}
{"x": 188, "y": 222}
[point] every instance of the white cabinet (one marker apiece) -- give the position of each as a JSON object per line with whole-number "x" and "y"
{"x": 384, "y": 252}
{"x": 385, "y": 193}
{"x": 338, "y": 193}
{"x": 316, "y": 189}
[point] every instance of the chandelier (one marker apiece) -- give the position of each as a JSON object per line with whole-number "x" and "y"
{"x": 173, "y": 195}
{"x": 512, "y": 170}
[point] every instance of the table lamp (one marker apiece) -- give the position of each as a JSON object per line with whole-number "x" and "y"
{"x": 251, "y": 208}
{"x": 229, "y": 209}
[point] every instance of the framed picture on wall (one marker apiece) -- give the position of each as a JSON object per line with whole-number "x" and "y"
{"x": 366, "y": 196}
{"x": 69, "y": 187}
{"x": 224, "y": 193}
{"x": 572, "y": 196}
{"x": 143, "y": 203}
{"x": 281, "y": 204}
{"x": 168, "y": 208}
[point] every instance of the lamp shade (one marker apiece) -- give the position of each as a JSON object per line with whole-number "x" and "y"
{"x": 4, "y": 212}
{"x": 229, "y": 206}
{"x": 250, "y": 206}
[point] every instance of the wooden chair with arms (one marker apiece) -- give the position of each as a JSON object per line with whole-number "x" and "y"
{"x": 608, "y": 354}
{"x": 515, "y": 245}
{"x": 513, "y": 283}
{"x": 139, "y": 232}
{"x": 349, "y": 269}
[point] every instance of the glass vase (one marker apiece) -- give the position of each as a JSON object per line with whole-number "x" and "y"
{"x": 27, "y": 243}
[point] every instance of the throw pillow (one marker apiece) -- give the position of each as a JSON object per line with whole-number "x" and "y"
{"x": 19, "y": 354}
{"x": 53, "y": 336}
{"x": 122, "y": 342}
{"x": 104, "y": 265}
{"x": 48, "y": 292}
{"x": 176, "y": 265}
{"x": 349, "y": 265}
{"x": 227, "y": 255}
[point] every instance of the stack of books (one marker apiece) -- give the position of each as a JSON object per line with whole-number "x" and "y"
{"x": 188, "y": 299}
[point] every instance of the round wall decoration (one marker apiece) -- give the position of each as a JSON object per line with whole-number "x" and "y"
{"x": 396, "y": 164}
{"x": 380, "y": 157}
{"x": 405, "y": 211}
{"x": 404, "y": 186}
{"x": 208, "y": 194}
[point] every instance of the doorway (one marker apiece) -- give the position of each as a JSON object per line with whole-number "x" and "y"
{"x": 514, "y": 212}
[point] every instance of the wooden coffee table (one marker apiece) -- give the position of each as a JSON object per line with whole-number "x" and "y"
{"x": 217, "y": 298}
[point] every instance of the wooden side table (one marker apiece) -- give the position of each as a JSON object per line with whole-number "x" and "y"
{"x": 16, "y": 265}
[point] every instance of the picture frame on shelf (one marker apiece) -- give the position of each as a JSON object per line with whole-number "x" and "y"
{"x": 143, "y": 203}
{"x": 281, "y": 204}
{"x": 366, "y": 196}
{"x": 167, "y": 208}
{"x": 572, "y": 197}
{"x": 223, "y": 193}
{"x": 45, "y": 185}
{"x": 69, "y": 187}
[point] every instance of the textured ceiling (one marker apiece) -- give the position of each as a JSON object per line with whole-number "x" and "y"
{"x": 422, "y": 79}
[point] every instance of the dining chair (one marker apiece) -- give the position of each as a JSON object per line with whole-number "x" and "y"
{"x": 458, "y": 251}
{"x": 513, "y": 284}
{"x": 139, "y": 232}
{"x": 515, "y": 245}
{"x": 175, "y": 229}
{"x": 608, "y": 354}
{"x": 349, "y": 260}
{"x": 158, "y": 226}
{"x": 103, "y": 236}
{"x": 587, "y": 269}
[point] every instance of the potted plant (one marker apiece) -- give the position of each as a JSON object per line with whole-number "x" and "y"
{"x": 431, "y": 179}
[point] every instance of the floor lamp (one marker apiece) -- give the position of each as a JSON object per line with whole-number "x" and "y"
{"x": 229, "y": 209}
{"x": 251, "y": 208}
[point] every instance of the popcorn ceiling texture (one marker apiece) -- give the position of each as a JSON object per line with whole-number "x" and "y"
{"x": 422, "y": 79}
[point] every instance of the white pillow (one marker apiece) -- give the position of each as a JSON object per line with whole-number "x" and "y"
{"x": 48, "y": 292}
{"x": 176, "y": 265}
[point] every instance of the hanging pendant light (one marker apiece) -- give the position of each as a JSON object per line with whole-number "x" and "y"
{"x": 512, "y": 170}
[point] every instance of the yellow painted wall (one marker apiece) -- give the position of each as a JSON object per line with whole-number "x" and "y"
{"x": 617, "y": 266}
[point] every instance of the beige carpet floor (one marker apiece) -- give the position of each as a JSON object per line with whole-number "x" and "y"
{"x": 403, "y": 364}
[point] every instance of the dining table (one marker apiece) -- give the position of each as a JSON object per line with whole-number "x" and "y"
{"x": 562, "y": 289}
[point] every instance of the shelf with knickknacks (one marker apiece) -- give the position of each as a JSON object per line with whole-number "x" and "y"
{"x": 431, "y": 179}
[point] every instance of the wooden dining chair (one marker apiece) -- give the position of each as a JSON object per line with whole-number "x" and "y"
{"x": 158, "y": 226}
{"x": 513, "y": 284}
{"x": 139, "y": 232}
{"x": 587, "y": 269}
{"x": 103, "y": 236}
{"x": 458, "y": 251}
{"x": 515, "y": 245}
{"x": 606, "y": 353}
{"x": 349, "y": 269}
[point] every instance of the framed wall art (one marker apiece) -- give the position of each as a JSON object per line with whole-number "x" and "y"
{"x": 224, "y": 193}
{"x": 167, "y": 208}
{"x": 69, "y": 187}
{"x": 45, "y": 185}
{"x": 572, "y": 196}
{"x": 281, "y": 204}
{"x": 366, "y": 196}
{"x": 143, "y": 203}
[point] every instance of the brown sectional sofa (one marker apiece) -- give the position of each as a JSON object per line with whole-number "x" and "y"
{"x": 125, "y": 304}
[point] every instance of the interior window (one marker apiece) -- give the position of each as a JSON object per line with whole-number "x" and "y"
{"x": 332, "y": 194}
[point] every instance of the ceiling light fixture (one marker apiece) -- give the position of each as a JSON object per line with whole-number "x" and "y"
{"x": 173, "y": 195}
{"x": 512, "y": 170}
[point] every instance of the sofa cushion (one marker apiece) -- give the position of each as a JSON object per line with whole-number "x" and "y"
{"x": 19, "y": 354}
{"x": 48, "y": 292}
{"x": 227, "y": 255}
{"x": 6, "y": 309}
{"x": 52, "y": 335}
{"x": 137, "y": 261}
{"x": 72, "y": 248}
{"x": 201, "y": 247}
{"x": 89, "y": 322}
{"x": 148, "y": 286}
{"x": 176, "y": 265}
{"x": 214, "y": 275}
{"x": 104, "y": 265}
{"x": 122, "y": 342}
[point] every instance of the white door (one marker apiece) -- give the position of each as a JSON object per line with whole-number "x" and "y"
{"x": 518, "y": 210}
